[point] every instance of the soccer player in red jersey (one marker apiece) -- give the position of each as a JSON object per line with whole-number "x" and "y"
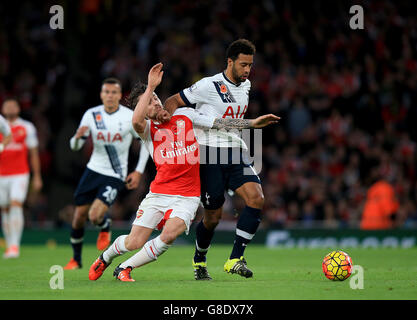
{"x": 17, "y": 159}
{"x": 174, "y": 194}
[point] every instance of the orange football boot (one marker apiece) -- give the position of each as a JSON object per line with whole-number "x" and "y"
{"x": 103, "y": 240}
{"x": 97, "y": 268}
{"x": 123, "y": 274}
{"x": 72, "y": 265}
{"x": 11, "y": 252}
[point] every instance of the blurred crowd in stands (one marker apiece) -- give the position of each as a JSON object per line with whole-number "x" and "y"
{"x": 347, "y": 98}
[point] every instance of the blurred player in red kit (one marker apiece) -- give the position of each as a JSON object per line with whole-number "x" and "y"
{"x": 18, "y": 157}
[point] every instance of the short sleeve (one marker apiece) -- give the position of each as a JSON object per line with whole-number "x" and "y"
{"x": 32, "y": 136}
{"x": 146, "y": 134}
{"x": 134, "y": 133}
{"x": 197, "y": 118}
{"x": 85, "y": 120}
{"x": 196, "y": 93}
{"x": 202, "y": 120}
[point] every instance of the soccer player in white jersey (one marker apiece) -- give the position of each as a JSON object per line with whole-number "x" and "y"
{"x": 224, "y": 95}
{"x": 111, "y": 130}
{"x": 18, "y": 157}
{"x": 174, "y": 195}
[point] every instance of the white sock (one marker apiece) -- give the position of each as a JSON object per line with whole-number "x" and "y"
{"x": 150, "y": 252}
{"x": 16, "y": 223}
{"x": 117, "y": 248}
{"x": 5, "y": 226}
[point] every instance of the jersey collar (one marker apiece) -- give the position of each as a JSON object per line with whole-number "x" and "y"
{"x": 110, "y": 113}
{"x": 230, "y": 81}
{"x": 14, "y": 120}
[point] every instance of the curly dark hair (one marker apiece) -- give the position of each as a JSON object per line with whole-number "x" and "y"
{"x": 240, "y": 46}
{"x": 132, "y": 99}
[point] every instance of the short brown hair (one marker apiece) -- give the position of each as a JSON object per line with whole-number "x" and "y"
{"x": 240, "y": 46}
{"x": 112, "y": 81}
{"x": 11, "y": 98}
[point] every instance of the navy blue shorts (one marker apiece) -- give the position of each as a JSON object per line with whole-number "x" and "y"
{"x": 94, "y": 185}
{"x": 227, "y": 173}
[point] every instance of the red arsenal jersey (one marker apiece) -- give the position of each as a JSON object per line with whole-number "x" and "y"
{"x": 176, "y": 152}
{"x": 14, "y": 158}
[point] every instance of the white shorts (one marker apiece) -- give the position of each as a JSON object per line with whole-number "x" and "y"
{"x": 13, "y": 187}
{"x": 156, "y": 208}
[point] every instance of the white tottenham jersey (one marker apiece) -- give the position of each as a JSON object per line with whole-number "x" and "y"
{"x": 4, "y": 127}
{"x": 112, "y": 135}
{"x": 217, "y": 96}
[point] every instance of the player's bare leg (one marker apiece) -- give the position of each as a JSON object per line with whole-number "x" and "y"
{"x": 173, "y": 228}
{"x": 204, "y": 235}
{"x": 97, "y": 216}
{"x": 151, "y": 249}
{"x": 246, "y": 227}
{"x": 134, "y": 240}
{"x": 77, "y": 235}
{"x": 15, "y": 223}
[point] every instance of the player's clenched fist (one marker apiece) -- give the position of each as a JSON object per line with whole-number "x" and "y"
{"x": 163, "y": 116}
{"x": 81, "y": 132}
{"x": 132, "y": 180}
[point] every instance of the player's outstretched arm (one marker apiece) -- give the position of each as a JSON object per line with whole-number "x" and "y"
{"x": 139, "y": 114}
{"x": 260, "y": 122}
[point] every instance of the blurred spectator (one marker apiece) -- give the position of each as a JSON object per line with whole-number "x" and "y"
{"x": 380, "y": 207}
{"x": 298, "y": 119}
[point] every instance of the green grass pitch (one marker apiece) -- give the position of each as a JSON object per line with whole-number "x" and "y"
{"x": 290, "y": 274}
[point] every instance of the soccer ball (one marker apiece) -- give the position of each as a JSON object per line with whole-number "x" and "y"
{"x": 337, "y": 266}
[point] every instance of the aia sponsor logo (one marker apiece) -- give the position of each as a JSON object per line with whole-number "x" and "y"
{"x": 109, "y": 137}
{"x": 230, "y": 112}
